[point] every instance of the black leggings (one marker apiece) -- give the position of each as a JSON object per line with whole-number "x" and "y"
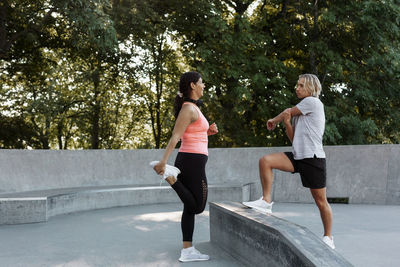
{"x": 191, "y": 187}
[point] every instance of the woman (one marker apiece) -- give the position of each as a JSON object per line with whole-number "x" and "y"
{"x": 307, "y": 156}
{"x": 189, "y": 180}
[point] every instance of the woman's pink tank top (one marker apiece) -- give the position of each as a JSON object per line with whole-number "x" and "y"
{"x": 195, "y": 138}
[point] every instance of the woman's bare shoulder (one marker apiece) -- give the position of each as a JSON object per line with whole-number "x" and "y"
{"x": 190, "y": 111}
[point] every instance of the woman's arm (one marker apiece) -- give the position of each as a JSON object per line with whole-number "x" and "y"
{"x": 186, "y": 116}
{"x": 213, "y": 129}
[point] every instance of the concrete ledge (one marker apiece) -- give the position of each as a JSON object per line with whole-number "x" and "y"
{"x": 21, "y": 210}
{"x": 39, "y": 206}
{"x": 258, "y": 239}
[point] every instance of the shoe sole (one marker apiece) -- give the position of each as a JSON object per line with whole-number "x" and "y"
{"x": 170, "y": 167}
{"x": 258, "y": 209}
{"x": 193, "y": 260}
{"x": 330, "y": 246}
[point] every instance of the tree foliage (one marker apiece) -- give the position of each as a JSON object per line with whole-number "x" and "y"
{"x": 104, "y": 73}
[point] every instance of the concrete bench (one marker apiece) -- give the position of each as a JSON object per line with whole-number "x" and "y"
{"x": 258, "y": 239}
{"x": 39, "y": 206}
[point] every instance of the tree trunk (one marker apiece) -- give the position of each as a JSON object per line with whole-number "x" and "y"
{"x": 314, "y": 38}
{"x": 95, "y": 116}
{"x": 59, "y": 134}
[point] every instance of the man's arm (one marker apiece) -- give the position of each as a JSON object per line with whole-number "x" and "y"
{"x": 288, "y": 124}
{"x": 294, "y": 111}
{"x": 287, "y": 115}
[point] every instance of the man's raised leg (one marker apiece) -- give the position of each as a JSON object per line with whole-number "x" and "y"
{"x": 266, "y": 165}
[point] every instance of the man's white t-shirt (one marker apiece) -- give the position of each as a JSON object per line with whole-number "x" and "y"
{"x": 309, "y": 129}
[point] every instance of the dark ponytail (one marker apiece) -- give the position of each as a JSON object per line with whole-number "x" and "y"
{"x": 185, "y": 89}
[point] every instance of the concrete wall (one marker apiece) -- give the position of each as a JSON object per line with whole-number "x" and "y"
{"x": 365, "y": 174}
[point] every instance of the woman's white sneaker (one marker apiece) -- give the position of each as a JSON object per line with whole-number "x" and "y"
{"x": 169, "y": 170}
{"x": 260, "y": 205}
{"x": 329, "y": 241}
{"x": 192, "y": 254}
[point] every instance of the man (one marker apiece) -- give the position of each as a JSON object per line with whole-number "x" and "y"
{"x": 307, "y": 156}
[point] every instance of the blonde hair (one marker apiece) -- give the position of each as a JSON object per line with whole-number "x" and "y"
{"x": 312, "y": 84}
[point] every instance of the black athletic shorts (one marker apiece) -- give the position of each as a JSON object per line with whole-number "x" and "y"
{"x": 312, "y": 171}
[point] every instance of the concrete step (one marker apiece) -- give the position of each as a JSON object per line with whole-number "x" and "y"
{"x": 39, "y": 206}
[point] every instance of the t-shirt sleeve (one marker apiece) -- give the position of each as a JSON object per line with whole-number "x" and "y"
{"x": 306, "y": 105}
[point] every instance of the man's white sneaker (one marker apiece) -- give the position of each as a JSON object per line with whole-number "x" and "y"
{"x": 329, "y": 241}
{"x": 169, "y": 170}
{"x": 192, "y": 254}
{"x": 260, "y": 205}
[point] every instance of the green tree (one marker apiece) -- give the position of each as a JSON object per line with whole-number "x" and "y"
{"x": 351, "y": 46}
{"x": 104, "y": 74}
{"x": 246, "y": 82}
{"x": 151, "y": 56}
{"x": 251, "y": 64}
{"x": 30, "y": 33}
{"x": 15, "y": 132}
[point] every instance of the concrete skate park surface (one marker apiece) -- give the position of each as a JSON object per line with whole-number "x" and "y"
{"x": 150, "y": 235}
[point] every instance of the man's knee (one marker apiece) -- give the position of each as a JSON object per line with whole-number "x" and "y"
{"x": 321, "y": 202}
{"x": 265, "y": 161}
